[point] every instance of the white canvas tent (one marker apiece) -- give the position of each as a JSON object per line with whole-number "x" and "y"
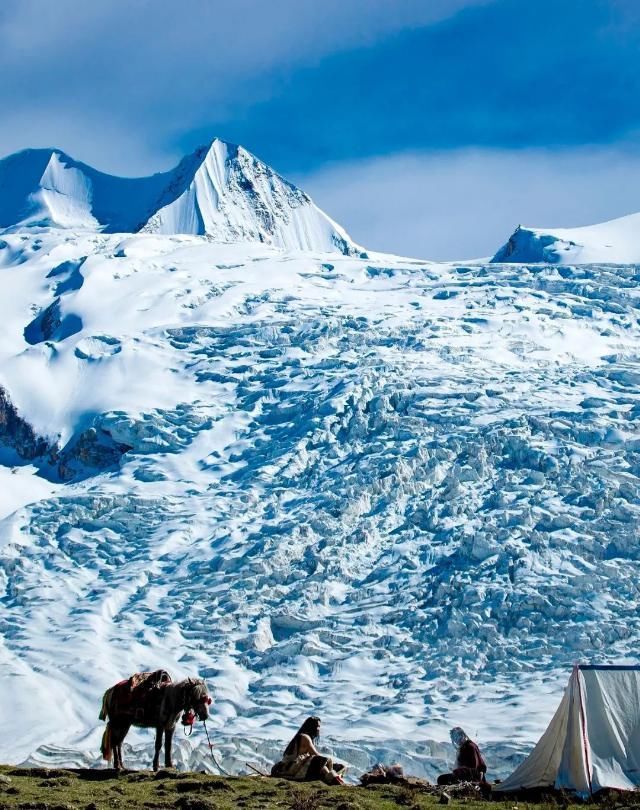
{"x": 593, "y": 740}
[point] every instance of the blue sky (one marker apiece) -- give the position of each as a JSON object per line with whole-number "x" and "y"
{"x": 426, "y": 127}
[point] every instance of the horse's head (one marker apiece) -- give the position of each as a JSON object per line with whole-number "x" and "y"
{"x": 197, "y": 698}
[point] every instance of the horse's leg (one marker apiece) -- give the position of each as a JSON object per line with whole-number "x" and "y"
{"x": 119, "y": 749}
{"x": 123, "y": 730}
{"x": 116, "y": 739}
{"x": 168, "y": 739}
{"x": 156, "y": 758}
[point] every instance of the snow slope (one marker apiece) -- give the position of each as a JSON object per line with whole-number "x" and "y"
{"x": 396, "y": 494}
{"x": 220, "y": 190}
{"x": 614, "y": 242}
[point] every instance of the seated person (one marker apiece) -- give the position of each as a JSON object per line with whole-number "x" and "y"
{"x": 301, "y": 761}
{"x": 470, "y": 766}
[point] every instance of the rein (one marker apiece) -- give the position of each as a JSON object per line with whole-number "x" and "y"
{"x": 213, "y": 757}
{"x": 188, "y": 721}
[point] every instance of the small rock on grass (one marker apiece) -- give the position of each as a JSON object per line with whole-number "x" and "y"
{"x": 444, "y": 798}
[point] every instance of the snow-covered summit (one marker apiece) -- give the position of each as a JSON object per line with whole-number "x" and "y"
{"x": 221, "y": 190}
{"x": 47, "y": 188}
{"x": 613, "y": 242}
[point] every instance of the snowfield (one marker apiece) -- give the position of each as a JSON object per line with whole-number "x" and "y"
{"x": 399, "y": 495}
{"x": 615, "y": 241}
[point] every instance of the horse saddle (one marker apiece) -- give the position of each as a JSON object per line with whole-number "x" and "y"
{"x": 149, "y": 680}
{"x": 137, "y": 695}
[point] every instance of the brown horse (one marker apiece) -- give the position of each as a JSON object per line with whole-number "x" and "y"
{"x": 158, "y": 707}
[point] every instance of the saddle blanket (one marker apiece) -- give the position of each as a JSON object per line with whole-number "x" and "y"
{"x": 138, "y": 695}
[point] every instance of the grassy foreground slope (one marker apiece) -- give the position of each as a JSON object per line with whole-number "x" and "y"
{"x": 58, "y": 789}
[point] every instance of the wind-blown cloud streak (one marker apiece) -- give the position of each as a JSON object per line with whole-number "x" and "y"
{"x": 129, "y": 87}
{"x": 120, "y": 84}
{"x": 511, "y": 74}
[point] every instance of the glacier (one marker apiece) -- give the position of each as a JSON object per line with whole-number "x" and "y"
{"x": 398, "y": 494}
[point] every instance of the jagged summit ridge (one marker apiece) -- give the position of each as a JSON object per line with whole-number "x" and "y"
{"x": 221, "y": 191}
{"x": 233, "y": 196}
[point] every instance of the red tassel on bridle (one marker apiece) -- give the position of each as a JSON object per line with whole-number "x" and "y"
{"x": 189, "y": 716}
{"x": 188, "y": 719}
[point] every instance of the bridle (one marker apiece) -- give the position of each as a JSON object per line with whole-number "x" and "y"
{"x": 189, "y": 717}
{"x": 192, "y": 710}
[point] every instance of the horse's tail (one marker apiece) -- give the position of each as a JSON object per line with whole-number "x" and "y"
{"x": 106, "y": 699}
{"x": 105, "y": 745}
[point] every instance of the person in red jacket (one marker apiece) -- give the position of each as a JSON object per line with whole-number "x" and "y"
{"x": 470, "y": 765}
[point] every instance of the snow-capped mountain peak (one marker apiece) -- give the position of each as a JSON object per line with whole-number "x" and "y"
{"x": 233, "y": 196}
{"x": 221, "y": 190}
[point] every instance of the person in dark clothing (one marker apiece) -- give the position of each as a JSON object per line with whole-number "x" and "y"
{"x": 470, "y": 765}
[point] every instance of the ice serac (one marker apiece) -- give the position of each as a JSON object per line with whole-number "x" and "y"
{"x": 234, "y": 197}
{"x": 613, "y": 242}
{"x": 220, "y": 191}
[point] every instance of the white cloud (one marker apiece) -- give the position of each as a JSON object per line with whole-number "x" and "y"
{"x": 242, "y": 34}
{"x": 152, "y": 70}
{"x": 103, "y": 144}
{"x": 466, "y": 203}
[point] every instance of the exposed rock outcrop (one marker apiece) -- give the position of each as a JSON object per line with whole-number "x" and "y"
{"x": 17, "y": 433}
{"x": 52, "y": 324}
{"x": 92, "y": 451}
